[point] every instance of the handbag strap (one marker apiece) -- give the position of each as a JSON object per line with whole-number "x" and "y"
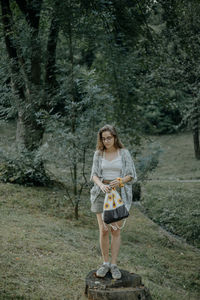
{"x": 117, "y": 226}
{"x": 114, "y": 227}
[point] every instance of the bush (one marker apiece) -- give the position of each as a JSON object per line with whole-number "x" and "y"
{"x": 26, "y": 169}
{"x": 161, "y": 120}
{"x": 147, "y": 164}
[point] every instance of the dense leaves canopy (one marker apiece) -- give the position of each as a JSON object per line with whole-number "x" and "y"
{"x": 69, "y": 67}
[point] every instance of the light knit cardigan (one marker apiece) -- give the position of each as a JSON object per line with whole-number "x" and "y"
{"x": 128, "y": 168}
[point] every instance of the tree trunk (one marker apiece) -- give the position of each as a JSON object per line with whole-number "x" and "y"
{"x": 196, "y": 143}
{"x": 16, "y": 80}
{"x": 73, "y": 120}
{"x": 29, "y": 134}
{"x": 195, "y": 128}
{"x": 129, "y": 287}
{"x": 76, "y": 210}
{"x": 50, "y": 80}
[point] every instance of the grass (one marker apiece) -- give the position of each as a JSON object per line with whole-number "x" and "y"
{"x": 177, "y": 158}
{"x": 168, "y": 201}
{"x": 175, "y": 206}
{"x": 47, "y": 255}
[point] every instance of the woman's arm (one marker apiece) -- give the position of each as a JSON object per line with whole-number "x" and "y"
{"x": 97, "y": 180}
{"x": 129, "y": 168}
{"x": 116, "y": 182}
{"x": 104, "y": 187}
{"x": 126, "y": 179}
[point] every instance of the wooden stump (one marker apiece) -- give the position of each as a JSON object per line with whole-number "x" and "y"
{"x": 129, "y": 287}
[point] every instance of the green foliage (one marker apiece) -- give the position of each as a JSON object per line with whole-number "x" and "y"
{"x": 25, "y": 168}
{"x": 175, "y": 70}
{"x": 87, "y": 64}
{"x": 72, "y": 133}
{"x": 7, "y": 99}
{"x": 161, "y": 119}
{"x": 147, "y": 164}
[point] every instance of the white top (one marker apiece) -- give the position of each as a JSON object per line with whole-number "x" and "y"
{"x": 111, "y": 169}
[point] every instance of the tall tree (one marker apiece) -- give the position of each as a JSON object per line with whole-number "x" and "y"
{"x": 27, "y": 68}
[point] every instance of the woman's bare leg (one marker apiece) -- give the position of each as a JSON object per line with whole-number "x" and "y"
{"x": 104, "y": 239}
{"x": 115, "y": 242}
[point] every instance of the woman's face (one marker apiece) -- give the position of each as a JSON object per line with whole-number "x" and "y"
{"x": 108, "y": 139}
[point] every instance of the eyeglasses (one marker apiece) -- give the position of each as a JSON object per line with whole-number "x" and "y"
{"x": 109, "y": 138}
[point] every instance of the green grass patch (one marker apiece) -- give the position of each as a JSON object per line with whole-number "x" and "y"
{"x": 175, "y": 206}
{"x": 47, "y": 255}
{"x": 177, "y": 159}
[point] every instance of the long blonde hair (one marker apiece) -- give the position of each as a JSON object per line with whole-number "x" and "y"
{"x": 117, "y": 143}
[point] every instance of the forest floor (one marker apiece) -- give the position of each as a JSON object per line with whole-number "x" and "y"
{"x": 46, "y": 254}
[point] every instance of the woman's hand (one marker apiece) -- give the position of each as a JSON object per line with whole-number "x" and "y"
{"x": 115, "y": 183}
{"x": 105, "y": 188}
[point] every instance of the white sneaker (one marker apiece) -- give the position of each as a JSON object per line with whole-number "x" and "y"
{"x": 116, "y": 274}
{"x": 103, "y": 270}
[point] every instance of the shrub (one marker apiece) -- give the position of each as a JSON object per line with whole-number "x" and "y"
{"x": 26, "y": 168}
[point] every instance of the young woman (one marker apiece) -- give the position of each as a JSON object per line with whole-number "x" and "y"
{"x": 111, "y": 160}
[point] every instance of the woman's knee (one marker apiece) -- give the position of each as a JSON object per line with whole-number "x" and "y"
{"x": 103, "y": 230}
{"x": 115, "y": 232}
